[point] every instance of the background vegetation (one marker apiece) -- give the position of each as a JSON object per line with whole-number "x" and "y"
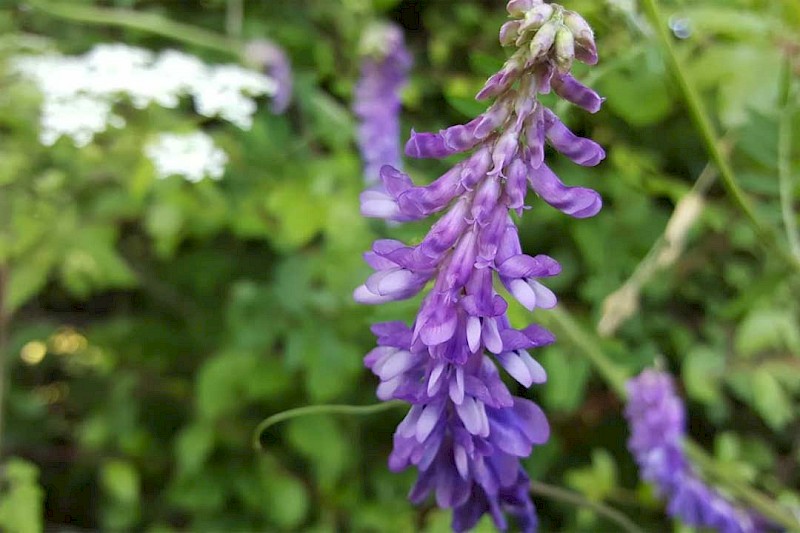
{"x": 147, "y": 325}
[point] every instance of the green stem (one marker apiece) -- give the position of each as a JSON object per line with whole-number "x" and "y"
{"x": 5, "y": 321}
{"x": 320, "y": 410}
{"x": 758, "y": 501}
{"x": 136, "y": 20}
{"x": 623, "y": 302}
{"x": 572, "y": 498}
{"x": 234, "y": 18}
{"x": 702, "y": 121}
{"x": 589, "y": 345}
{"x": 785, "y": 178}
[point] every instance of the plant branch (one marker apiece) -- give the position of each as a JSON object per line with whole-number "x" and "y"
{"x": 785, "y": 178}
{"x": 136, "y": 20}
{"x": 358, "y": 410}
{"x": 572, "y": 498}
{"x": 619, "y": 305}
{"x": 5, "y": 320}
{"x": 702, "y": 121}
{"x": 560, "y": 319}
{"x": 234, "y": 18}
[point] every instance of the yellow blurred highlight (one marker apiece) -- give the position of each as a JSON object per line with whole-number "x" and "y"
{"x": 52, "y": 393}
{"x": 68, "y": 341}
{"x": 33, "y": 352}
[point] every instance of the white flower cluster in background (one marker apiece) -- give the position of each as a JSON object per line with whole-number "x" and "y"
{"x": 193, "y": 156}
{"x": 80, "y": 91}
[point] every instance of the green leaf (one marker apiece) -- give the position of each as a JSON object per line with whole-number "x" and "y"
{"x": 745, "y": 76}
{"x": 330, "y": 120}
{"x": 597, "y": 481}
{"x": 460, "y": 93}
{"x": 193, "y": 446}
{"x": 120, "y": 480}
{"x": 333, "y": 370}
{"x": 226, "y": 382}
{"x": 703, "y": 371}
{"x": 164, "y": 222}
{"x": 22, "y": 499}
{"x": 637, "y": 90}
{"x": 92, "y": 262}
{"x": 30, "y": 277}
{"x": 330, "y": 460}
{"x": 286, "y": 499}
{"x": 728, "y": 21}
{"x": 770, "y": 400}
{"x": 567, "y": 374}
{"x": 766, "y": 329}
{"x": 299, "y": 214}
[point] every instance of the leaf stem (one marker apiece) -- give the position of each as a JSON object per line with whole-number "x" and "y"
{"x": 572, "y": 498}
{"x": 234, "y": 18}
{"x": 623, "y": 302}
{"x": 5, "y": 320}
{"x": 358, "y": 410}
{"x": 785, "y": 178}
{"x": 136, "y": 20}
{"x": 703, "y": 124}
{"x": 589, "y": 345}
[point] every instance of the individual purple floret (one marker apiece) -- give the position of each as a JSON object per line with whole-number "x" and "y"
{"x": 384, "y": 72}
{"x": 657, "y": 421}
{"x": 273, "y": 61}
{"x": 466, "y": 432}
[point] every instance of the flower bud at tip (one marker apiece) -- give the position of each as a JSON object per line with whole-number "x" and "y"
{"x": 509, "y": 32}
{"x": 564, "y": 48}
{"x": 543, "y": 41}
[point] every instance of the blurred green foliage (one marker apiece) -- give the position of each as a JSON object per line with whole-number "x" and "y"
{"x": 148, "y": 325}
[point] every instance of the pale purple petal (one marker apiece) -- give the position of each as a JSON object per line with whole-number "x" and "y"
{"x": 578, "y": 202}
{"x": 568, "y": 88}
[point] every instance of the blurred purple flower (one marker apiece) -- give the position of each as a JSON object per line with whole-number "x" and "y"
{"x": 466, "y": 432}
{"x": 657, "y": 421}
{"x": 273, "y": 61}
{"x": 384, "y": 72}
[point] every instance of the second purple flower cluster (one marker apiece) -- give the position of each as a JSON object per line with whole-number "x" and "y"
{"x": 657, "y": 420}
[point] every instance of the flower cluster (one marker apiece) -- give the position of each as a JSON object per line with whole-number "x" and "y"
{"x": 658, "y": 426}
{"x": 465, "y": 431}
{"x": 384, "y": 70}
{"x": 193, "y": 156}
{"x": 80, "y": 91}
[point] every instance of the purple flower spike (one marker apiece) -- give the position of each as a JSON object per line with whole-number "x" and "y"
{"x": 384, "y": 72}
{"x": 657, "y": 421}
{"x": 465, "y": 432}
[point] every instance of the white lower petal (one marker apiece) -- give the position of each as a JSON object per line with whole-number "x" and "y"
{"x": 491, "y": 336}
{"x": 363, "y": 295}
{"x": 544, "y": 296}
{"x": 523, "y": 292}
{"x": 474, "y": 333}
